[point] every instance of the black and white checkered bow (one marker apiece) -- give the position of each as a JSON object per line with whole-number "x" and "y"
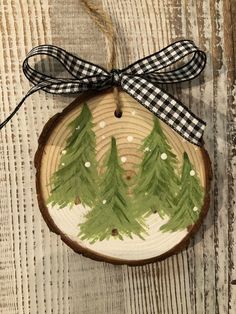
{"x": 137, "y": 80}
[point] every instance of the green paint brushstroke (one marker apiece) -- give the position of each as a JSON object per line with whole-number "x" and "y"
{"x": 77, "y": 175}
{"x": 112, "y": 214}
{"x": 188, "y": 202}
{"x": 156, "y": 182}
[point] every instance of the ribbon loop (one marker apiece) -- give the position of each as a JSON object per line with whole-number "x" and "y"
{"x": 150, "y": 66}
{"x": 137, "y": 80}
{"x": 77, "y": 67}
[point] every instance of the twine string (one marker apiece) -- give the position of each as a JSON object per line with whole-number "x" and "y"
{"x": 105, "y": 25}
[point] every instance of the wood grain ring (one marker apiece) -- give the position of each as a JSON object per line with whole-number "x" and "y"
{"x": 43, "y": 139}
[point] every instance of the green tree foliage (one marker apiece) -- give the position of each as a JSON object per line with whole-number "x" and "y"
{"x": 77, "y": 175}
{"x": 112, "y": 215}
{"x": 156, "y": 182}
{"x": 189, "y": 200}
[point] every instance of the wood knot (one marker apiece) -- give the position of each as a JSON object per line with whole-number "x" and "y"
{"x": 77, "y": 200}
{"x": 114, "y": 232}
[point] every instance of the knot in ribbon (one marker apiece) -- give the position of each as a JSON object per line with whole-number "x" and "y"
{"x": 116, "y": 77}
{"x": 140, "y": 80}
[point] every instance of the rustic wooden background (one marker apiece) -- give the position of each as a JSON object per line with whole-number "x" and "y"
{"x": 38, "y": 273}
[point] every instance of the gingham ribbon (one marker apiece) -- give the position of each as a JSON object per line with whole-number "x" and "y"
{"x": 140, "y": 80}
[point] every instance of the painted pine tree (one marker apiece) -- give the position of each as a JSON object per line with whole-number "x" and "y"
{"x": 156, "y": 182}
{"x": 112, "y": 215}
{"x": 75, "y": 180}
{"x": 189, "y": 200}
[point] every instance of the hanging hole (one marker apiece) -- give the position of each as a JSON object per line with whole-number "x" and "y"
{"x": 118, "y": 113}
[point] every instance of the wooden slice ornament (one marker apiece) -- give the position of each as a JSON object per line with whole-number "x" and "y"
{"x": 113, "y": 180}
{"x": 127, "y": 190}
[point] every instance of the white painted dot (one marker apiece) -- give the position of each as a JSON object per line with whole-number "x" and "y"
{"x": 133, "y": 113}
{"x": 192, "y": 173}
{"x": 78, "y": 127}
{"x": 62, "y": 164}
{"x": 195, "y": 209}
{"x": 104, "y": 201}
{"x": 130, "y": 138}
{"x": 63, "y": 152}
{"x": 87, "y": 164}
{"x": 102, "y": 124}
{"x": 163, "y": 156}
{"x": 123, "y": 159}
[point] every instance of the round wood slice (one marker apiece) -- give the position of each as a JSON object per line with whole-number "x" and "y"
{"x": 129, "y": 130}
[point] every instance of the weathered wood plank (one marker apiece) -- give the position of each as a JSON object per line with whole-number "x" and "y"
{"x": 38, "y": 273}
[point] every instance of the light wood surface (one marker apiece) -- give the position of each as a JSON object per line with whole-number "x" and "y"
{"x": 130, "y": 131}
{"x": 38, "y": 273}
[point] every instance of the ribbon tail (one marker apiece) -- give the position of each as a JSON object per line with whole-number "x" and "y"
{"x": 18, "y": 106}
{"x": 165, "y": 107}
